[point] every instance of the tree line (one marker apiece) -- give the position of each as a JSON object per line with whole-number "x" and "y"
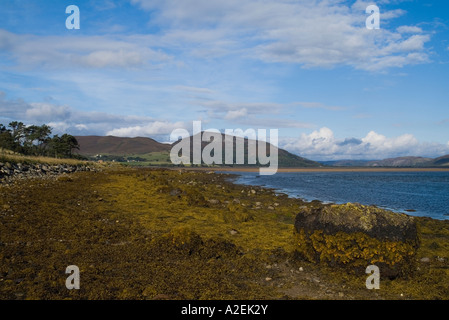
{"x": 37, "y": 141}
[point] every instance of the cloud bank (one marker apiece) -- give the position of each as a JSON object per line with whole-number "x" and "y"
{"x": 312, "y": 34}
{"x": 322, "y": 145}
{"x": 309, "y": 33}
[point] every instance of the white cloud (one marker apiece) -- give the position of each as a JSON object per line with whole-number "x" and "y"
{"x": 95, "y": 52}
{"x": 47, "y": 112}
{"x": 320, "y": 142}
{"x": 194, "y": 89}
{"x": 409, "y": 29}
{"x": 81, "y": 127}
{"x": 312, "y": 34}
{"x": 150, "y": 129}
{"x": 236, "y": 114}
{"x": 322, "y": 145}
{"x": 319, "y": 105}
{"x": 254, "y": 114}
{"x": 65, "y": 119}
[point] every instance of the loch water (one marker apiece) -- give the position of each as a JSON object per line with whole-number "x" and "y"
{"x": 423, "y": 193}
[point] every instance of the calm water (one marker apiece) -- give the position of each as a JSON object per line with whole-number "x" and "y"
{"x": 425, "y": 192}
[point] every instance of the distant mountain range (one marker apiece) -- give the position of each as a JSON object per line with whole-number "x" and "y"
{"x": 149, "y": 151}
{"x": 411, "y": 162}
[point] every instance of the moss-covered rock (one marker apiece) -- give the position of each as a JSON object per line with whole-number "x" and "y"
{"x": 355, "y": 236}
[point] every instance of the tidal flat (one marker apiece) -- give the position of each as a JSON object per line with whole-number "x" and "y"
{"x": 180, "y": 234}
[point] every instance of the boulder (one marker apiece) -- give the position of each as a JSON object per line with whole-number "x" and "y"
{"x": 356, "y": 236}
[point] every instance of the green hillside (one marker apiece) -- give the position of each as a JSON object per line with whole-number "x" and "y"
{"x": 146, "y": 152}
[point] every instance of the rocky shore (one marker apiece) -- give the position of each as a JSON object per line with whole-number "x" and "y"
{"x": 10, "y": 172}
{"x": 180, "y": 234}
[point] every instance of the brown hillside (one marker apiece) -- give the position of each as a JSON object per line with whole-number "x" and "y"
{"x": 91, "y": 145}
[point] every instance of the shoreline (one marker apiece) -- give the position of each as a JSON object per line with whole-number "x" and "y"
{"x": 410, "y": 211}
{"x": 206, "y": 232}
{"x": 322, "y": 169}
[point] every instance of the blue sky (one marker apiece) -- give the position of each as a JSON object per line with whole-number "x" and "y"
{"x": 333, "y": 88}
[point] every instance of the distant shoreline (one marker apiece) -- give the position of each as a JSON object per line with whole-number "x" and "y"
{"x": 324, "y": 169}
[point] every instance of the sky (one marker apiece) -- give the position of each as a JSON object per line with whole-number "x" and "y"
{"x": 333, "y": 88}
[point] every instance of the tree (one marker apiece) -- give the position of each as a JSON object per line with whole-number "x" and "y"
{"x": 6, "y": 141}
{"x": 29, "y": 135}
{"x": 70, "y": 143}
{"x": 36, "y": 140}
{"x": 42, "y": 136}
{"x": 17, "y": 134}
{"x": 62, "y": 146}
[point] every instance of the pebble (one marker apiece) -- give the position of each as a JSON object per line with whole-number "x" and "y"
{"x": 268, "y": 279}
{"x": 425, "y": 260}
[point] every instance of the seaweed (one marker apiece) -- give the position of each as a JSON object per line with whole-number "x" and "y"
{"x": 172, "y": 234}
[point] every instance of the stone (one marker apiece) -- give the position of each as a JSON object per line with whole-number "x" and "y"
{"x": 355, "y": 236}
{"x": 175, "y": 192}
{"x": 425, "y": 260}
{"x": 351, "y": 218}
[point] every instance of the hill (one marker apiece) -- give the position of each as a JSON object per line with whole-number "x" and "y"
{"x": 346, "y": 163}
{"x": 147, "y": 151}
{"x": 441, "y": 161}
{"x": 401, "y": 162}
{"x": 412, "y": 162}
{"x": 110, "y": 145}
{"x": 285, "y": 158}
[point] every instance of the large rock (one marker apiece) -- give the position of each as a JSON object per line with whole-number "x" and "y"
{"x": 354, "y": 235}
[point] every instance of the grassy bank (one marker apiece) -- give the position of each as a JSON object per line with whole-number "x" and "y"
{"x": 13, "y": 157}
{"x": 172, "y": 234}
